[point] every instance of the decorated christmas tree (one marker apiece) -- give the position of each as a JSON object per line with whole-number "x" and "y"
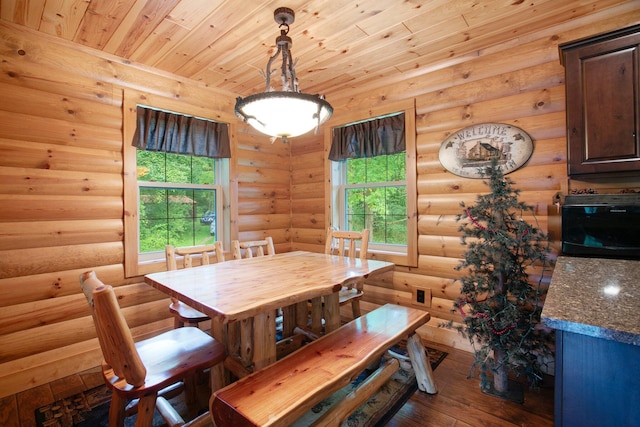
{"x": 504, "y": 268}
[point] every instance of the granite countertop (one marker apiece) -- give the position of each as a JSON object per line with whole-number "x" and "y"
{"x": 596, "y": 297}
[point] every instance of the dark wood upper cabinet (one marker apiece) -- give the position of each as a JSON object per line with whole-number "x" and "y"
{"x": 603, "y": 102}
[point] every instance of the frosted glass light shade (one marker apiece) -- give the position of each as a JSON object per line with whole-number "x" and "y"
{"x": 283, "y": 114}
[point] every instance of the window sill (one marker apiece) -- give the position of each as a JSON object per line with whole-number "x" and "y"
{"x": 398, "y": 258}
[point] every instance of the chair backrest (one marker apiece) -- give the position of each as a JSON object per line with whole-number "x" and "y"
{"x": 343, "y": 243}
{"x": 187, "y": 253}
{"x": 118, "y": 348}
{"x": 247, "y": 249}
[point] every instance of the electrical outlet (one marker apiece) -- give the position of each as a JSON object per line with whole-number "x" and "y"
{"x": 421, "y": 297}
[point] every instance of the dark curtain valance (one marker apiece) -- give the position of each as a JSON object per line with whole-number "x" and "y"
{"x": 176, "y": 133}
{"x": 369, "y": 139}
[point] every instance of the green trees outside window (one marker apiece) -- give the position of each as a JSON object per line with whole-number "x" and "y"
{"x": 376, "y": 197}
{"x": 177, "y": 200}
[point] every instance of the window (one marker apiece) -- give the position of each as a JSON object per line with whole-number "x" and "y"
{"x": 178, "y": 201}
{"x": 372, "y": 194}
{"x": 379, "y": 193}
{"x": 181, "y": 199}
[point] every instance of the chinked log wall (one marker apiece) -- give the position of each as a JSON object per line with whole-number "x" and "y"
{"x": 520, "y": 84}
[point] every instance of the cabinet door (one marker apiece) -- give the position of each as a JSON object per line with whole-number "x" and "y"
{"x": 602, "y": 89}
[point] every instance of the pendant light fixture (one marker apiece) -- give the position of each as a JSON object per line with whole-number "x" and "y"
{"x": 288, "y": 112}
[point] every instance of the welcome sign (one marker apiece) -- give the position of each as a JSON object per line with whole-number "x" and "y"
{"x": 468, "y": 151}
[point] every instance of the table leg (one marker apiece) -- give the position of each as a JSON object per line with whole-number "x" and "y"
{"x": 316, "y": 315}
{"x": 331, "y": 312}
{"x": 264, "y": 339}
{"x": 302, "y": 314}
{"x": 288, "y": 320}
{"x": 246, "y": 343}
{"x": 219, "y": 378}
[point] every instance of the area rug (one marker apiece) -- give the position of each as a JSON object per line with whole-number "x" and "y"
{"x": 384, "y": 403}
{"x": 91, "y": 408}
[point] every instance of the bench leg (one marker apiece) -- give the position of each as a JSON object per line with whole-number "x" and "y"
{"x": 421, "y": 365}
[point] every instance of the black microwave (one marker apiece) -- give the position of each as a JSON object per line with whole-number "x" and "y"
{"x": 601, "y": 225}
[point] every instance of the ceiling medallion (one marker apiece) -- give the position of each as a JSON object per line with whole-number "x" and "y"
{"x": 468, "y": 151}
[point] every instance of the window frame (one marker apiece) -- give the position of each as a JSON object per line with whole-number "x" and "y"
{"x": 220, "y": 235}
{"x": 134, "y": 265}
{"x": 333, "y": 196}
{"x": 339, "y": 215}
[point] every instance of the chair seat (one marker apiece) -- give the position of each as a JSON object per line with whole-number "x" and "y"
{"x": 182, "y": 351}
{"x": 349, "y": 294}
{"x": 187, "y": 314}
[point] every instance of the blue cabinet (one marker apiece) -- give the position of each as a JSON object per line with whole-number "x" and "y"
{"x": 596, "y": 382}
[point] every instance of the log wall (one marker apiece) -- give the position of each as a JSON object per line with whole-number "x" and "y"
{"x": 521, "y": 84}
{"x": 61, "y": 180}
{"x": 61, "y": 192}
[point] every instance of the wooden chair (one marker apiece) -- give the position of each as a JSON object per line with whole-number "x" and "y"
{"x": 183, "y": 314}
{"x": 142, "y": 370}
{"x": 247, "y": 249}
{"x": 343, "y": 243}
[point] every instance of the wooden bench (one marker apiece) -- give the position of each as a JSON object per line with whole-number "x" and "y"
{"x": 278, "y": 394}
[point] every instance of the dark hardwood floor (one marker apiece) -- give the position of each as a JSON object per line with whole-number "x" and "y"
{"x": 460, "y": 402}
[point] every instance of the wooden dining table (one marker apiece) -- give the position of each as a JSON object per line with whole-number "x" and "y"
{"x": 242, "y": 296}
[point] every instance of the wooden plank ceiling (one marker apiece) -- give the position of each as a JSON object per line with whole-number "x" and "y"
{"x": 339, "y": 44}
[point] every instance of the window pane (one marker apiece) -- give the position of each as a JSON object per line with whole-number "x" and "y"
{"x": 356, "y": 171}
{"x": 170, "y": 216}
{"x": 181, "y": 204}
{"x": 178, "y": 168}
{"x": 205, "y": 201}
{"x": 396, "y": 201}
{"x": 151, "y": 166}
{"x": 396, "y": 229}
{"x": 377, "y": 169}
{"x": 356, "y": 222}
{"x": 153, "y": 203}
{"x": 380, "y": 209}
{"x": 182, "y": 232}
{"x": 203, "y": 170}
{"x": 355, "y": 201}
{"x": 397, "y": 167}
{"x": 153, "y": 235}
{"x": 376, "y": 207}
